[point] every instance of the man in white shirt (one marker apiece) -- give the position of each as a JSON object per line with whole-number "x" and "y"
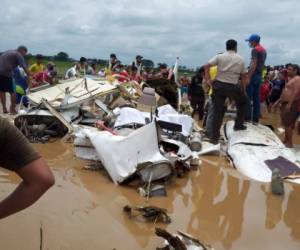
{"x": 231, "y": 69}
{"x": 138, "y": 64}
{"x": 71, "y": 72}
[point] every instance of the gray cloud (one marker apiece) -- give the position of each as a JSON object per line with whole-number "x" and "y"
{"x": 194, "y": 30}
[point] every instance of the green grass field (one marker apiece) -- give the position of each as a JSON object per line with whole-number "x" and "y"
{"x": 63, "y": 66}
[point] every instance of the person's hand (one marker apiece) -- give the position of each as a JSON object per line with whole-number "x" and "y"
{"x": 288, "y": 107}
{"x": 275, "y": 106}
{"x": 189, "y": 97}
{"x": 29, "y": 82}
{"x": 243, "y": 88}
{"x": 209, "y": 82}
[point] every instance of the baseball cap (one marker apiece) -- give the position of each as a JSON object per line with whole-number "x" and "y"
{"x": 163, "y": 66}
{"x": 139, "y": 56}
{"x": 253, "y": 38}
{"x": 82, "y": 59}
{"x": 39, "y": 56}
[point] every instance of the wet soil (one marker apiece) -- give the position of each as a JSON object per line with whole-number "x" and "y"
{"x": 214, "y": 203}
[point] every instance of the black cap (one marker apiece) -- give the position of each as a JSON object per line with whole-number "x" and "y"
{"x": 82, "y": 59}
{"x": 39, "y": 56}
{"x": 113, "y": 56}
{"x": 163, "y": 66}
{"x": 134, "y": 68}
{"x": 139, "y": 56}
{"x": 22, "y": 47}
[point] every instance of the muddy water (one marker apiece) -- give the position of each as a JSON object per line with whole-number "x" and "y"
{"x": 214, "y": 203}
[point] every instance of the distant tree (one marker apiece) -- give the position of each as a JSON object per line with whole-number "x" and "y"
{"x": 28, "y": 56}
{"x": 102, "y": 62}
{"x": 147, "y": 63}
{"x": 62, "y": 56}
{"x": 159, "y": 64}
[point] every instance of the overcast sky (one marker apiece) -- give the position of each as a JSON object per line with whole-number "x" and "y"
{"x": 160, "y": 30}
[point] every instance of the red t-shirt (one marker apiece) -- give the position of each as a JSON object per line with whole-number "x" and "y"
{"x": 122, "y": 76}
{"x": 136, "y": 78}
{"x": 40, "y": 78}
{"x": 264, "y": 91}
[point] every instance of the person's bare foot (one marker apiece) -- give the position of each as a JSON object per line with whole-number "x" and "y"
{"x": 13, "y": 111}
{"x": 289, "y": 145}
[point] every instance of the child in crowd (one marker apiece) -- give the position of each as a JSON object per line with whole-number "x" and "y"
{"x": 277, "y": 85}
{"x": 264, "y": 94}
{"x": 44, "y": 77}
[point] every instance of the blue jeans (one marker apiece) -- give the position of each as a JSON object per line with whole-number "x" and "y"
{"x": 184, "y": 89}
{"x": 253, "y": 93}
{"x": 208, "y": 123}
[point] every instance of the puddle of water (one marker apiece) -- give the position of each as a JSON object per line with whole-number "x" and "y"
{"x": 214, "y": 203}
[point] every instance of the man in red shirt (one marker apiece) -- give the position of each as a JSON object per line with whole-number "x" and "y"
{"x": 258, "y": 58}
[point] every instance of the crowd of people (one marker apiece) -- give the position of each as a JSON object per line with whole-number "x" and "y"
{"x": 136, "y": 71}
{"x": 250, "y": 89}
{"x": 224, "y": 80}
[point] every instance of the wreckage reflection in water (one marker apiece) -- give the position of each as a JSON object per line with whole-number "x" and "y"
{"x": 84, "y": 210}
{"x": 291, "y": 216}
{"x": 218, "y": 206}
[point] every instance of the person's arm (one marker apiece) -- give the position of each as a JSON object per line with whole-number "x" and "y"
{"x": 244, "y": 78}
{"x": 37, "y": 179}
{"x": 207, "y": 78}
{"x": 279, "y": 101}
{"x": 190, "y": 88}
{"x": 253, "y": 63}
{"x": 31, "y": 68}
{"x": 293, "y": 95}
{"x": 22, "y": 64}
{"x": 244, "y": 81}
{"x": 170, "y": 74}
{"x": 28, "y": 73}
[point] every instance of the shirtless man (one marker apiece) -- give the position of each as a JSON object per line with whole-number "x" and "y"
{"x": 289, "y": 103}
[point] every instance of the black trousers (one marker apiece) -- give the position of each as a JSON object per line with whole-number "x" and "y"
{"x": 197, "y": 103}
{"x": 221, "y": 91}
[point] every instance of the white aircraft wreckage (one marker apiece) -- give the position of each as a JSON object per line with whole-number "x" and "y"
{"x": 130, "y": 129}
{"x": 134, "y": 130}
{"x": 71, "y": 93}
{"x": 257, "y": 152}
{"x": 151, "y": 149}
{"x": 123, "y": 156}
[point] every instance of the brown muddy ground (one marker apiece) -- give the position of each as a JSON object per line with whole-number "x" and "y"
{"x": 214, "y": 203}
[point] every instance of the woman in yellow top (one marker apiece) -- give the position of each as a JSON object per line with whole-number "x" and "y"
{"x": 207, "y": 121}
{"x": 38, "y": 66}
